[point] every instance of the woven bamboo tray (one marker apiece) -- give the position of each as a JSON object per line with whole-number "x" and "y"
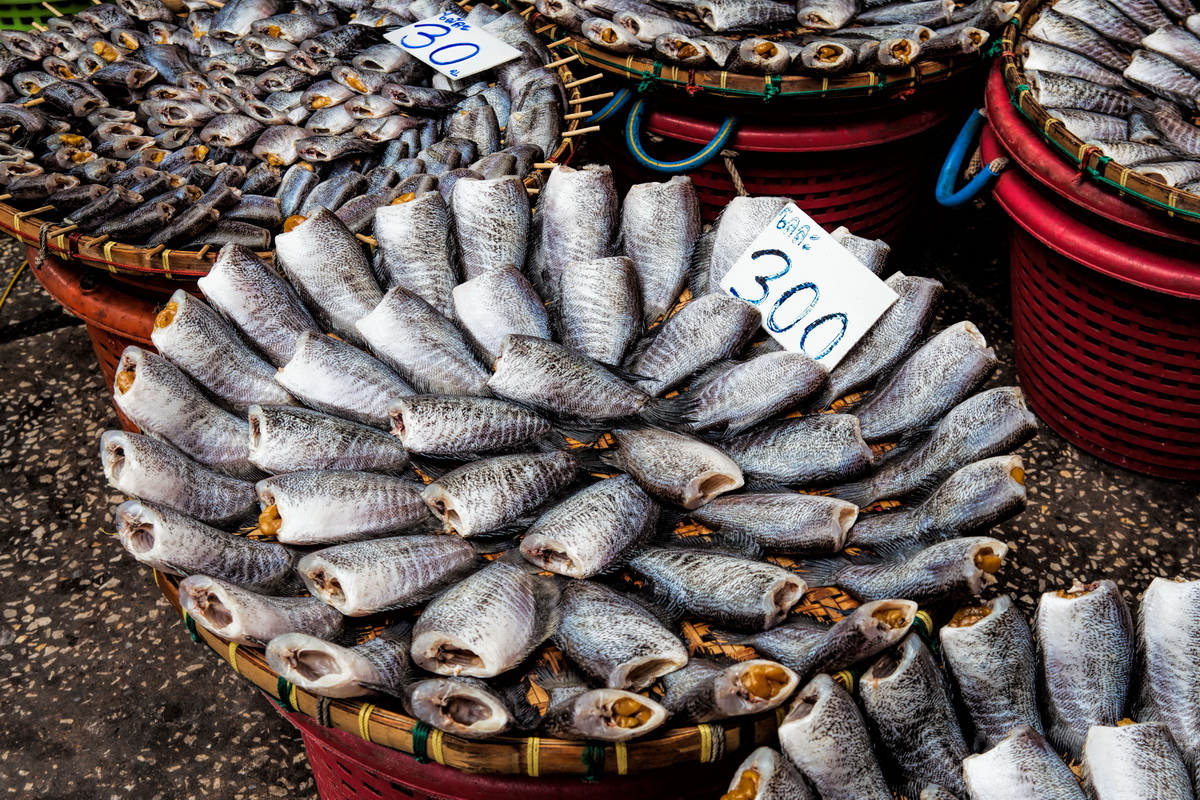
{"x": 649, "y": 71}
{"x": 1088, "y": 160}
{"x": 103, "y": 253}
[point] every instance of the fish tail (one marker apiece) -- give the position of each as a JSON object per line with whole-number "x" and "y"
{"x": 731, "y": 638}
{"x": 668, "y": 412}
{"x": 861, "y": 493}
{"x": 822, "y": 571}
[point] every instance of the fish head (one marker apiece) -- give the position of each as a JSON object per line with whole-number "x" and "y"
{"x": 885, "y": 621}
{"x": 459, "y": 708}
{"x": 138, "y": 527}
{"x": 115, "y": 455}
{"x": 321, "y": 579}
{"x": 983, "y": 559}
{"x": 753, "y": 686}
{"x": 207, "y": 600}
{"x": 812, "y": 701}
{"x": 321, "y": 667}
{"x": 616, "y": 715}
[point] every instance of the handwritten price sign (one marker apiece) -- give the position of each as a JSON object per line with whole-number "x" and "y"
{"x": 452, "y": 46}
{"x": 814, "y": 296}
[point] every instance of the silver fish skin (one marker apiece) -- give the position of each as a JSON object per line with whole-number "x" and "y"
{"x": 972, "y": 499}
{"x": 486, "y": 624}
{"x": 935, "y": 792}
{"x": 649, "y": 26}
{"x": 497, "y": 303}
{"x": 488, "y": 495}
{"x": 826, "y": 15}
{"x": 1090, "y": 125}
{"x": 1059, "y": 91}
{"x": 903, "y": 693}
{"x": 234, "y": 20}
{"x": 781, "y": 522}
{"x": 731, "y": 398}
{"x": 251, "y": 618}
{"x": 339, "y": 379}
{"x": 158, "y": 398}
{"x": 331, "y": 670}
{"x": 1134, "y": 762}
{"x": 988, "y": 650}
{"x": 537, "y": 124}
{"x": 873, "y": 253}
{"x": 704, "y": 691}
{"x": 171, "y": 542}
{"x": 1176, "y": 43}
{"x": 894, "y": 336}
{"x": 599, "y": 311}
{"x": 800, "y": 451}
{"x": 612, "y": 36}
{"x": 615, "y": 640}
{"x": 769, "y": 777}
{"x": 341, "y": 297}
{"x": 940, "y": 374}
{"x": 362, "y": 578}
{"x": 729, "y": 590}
{"x": 607, "y": 715}
{"x": 464, "y": 427}
{"x": 591, "y": 529}
{"x": 321, "y": 507}
{"x": 809, "y": 647}
{"x": 934, "y": 13}
{"x": 759, "y": 56}
{"x": 825, "y": 736}
{"x": 1169, "y": 121}
{"x": 1146, "y": 13}
{"x": 1086, "y": 643}
{"x": 424, "y": 347}
{"x": 550, "y": 378}
{"x": 674, "y": 467}
{"x": 1133, "y": 154}
{"x": 490, "y": 220}
{"x": 413, "y": 249}
{"x": 727, "y": 16}
{"x": 1022, "y": 767}
{"x": 738, "y": 225}
{"x": 577, "y": 220}
{"x": 1048, "y": 58}
{"x": 1104, "y": 17}
{"x": 982, "y": 426}
{"x": 195, "y": 338}
{"x": 704, "y": 331}
{"x": 465, "y": 707}
{"x": 1168, "y": 638}
{"x": 563, "y": 12}
{"x": 942, "y": 571}
{"x": 258, "y": 301}
{"x": 660, "y": 223}
{"x": 1172, "y": 173}
{"x": 290, "y": 439}
{"x": 1069, "y": 33}
{"x": 158, "y": 473}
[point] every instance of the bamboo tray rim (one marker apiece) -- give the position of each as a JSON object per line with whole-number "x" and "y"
{"x": 507, "y": 755}
{"x": 651, "y": 71}
{"x": 1088, "y": 160}
{"x": 176, "y": 264}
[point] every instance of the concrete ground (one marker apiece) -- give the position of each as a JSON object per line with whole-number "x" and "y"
{"x": 107, "y": 697}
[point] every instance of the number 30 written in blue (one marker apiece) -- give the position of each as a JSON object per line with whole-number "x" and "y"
{"x": 431, "y": 37}
{"x": 440, "y": 31}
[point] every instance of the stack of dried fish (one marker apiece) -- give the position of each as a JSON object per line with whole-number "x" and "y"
{"x": 1123, "y": 76}
{"x": 478, "y": 339}
{"x": 760, "y": 36}
{"x": 1024, "y": 706}
{"x": 145, "y": 127}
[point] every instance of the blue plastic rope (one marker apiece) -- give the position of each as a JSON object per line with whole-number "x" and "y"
{"x": 633, "y": 140}
{"x": 619, "y": 101}
{"x": 947, "y": 197}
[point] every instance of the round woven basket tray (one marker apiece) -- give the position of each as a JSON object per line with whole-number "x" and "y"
{"x": 1088, "y": 160}
{"x": 104, "y": 253}
{"x": 650, "y": 71}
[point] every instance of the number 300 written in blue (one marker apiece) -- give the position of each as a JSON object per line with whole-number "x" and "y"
{"x": 836, "y": 321}
{"x": 441, "y": 30}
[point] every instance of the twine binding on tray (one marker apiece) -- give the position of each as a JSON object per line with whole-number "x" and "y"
{"x": 532, "y": 746}
{"x": 364, "y": 721}
{"x": 322, "y": 715}
{"x": 593, "y": 761}
{"x": 712, "y": 743}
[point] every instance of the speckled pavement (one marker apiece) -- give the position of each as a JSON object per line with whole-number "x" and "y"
{"x": 107, "y": 697}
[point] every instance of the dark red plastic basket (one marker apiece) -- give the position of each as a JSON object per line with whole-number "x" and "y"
{"x": 1106, "y": 308}
{"x": 347, "y": 768}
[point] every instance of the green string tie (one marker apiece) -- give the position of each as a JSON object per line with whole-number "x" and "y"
{"x": 283, "y": 688}
{"x": 774, "y": 87}
{"x": 593, "y": 760}
{"x": 190, "y": 624}
{"x": 649, "y": 79}
{"x": 420, "y": 738}
{"x": 994, "y": 48}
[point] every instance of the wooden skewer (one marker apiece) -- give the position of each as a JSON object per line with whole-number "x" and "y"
{"x": 531, "y": 190}
{"x": 155, "y": 249}
{"x": 582, "y": 81}
{"x": 35, "y": 101}
{"x": 578, "y": 115}
{"x": 65, "y": 231}
{"x": 203, "y": 250}
{"x": 24, "y": 214}
{"x": 561, "y": 61}
{"x": 560, "y": 42}
{"x": 581, "y": 131}
{"x": 215, "y": 3}
{"x": 52, "y": 10}
{"x": 362, "y": 237}
{"x": 4, "y": 197}
{"x": 97, "y": 2}
{"x": 545, "y": 165}
{"x": 39, "y": 26}
{"x": 544, "y": 28}
{"x": 100, "y": 239}
{"x": 583, "y": 100}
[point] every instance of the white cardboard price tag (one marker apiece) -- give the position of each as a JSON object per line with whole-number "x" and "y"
{"x": 814, "y": 296}
{"x": 451, "y": 45}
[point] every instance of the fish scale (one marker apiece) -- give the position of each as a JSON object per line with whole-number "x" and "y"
{"x": 413, "y": 246}
{"x": 659, "y": 226}
{"x": 1021, "y": 767}
{"x": 599, "y": 314}
{"x": 490, "y": 223}
{"x": 448, "y": 426}
{"x": 1134, "y": 762}
{"x": 497, "y": 303}
{"x": 287, "y": 439}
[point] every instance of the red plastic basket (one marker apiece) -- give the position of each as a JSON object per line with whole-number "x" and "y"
{"x": 347, "y": 768}
{"x": 860, "y": 164}
{"x": 115, "y": 314}
{"x": 1106, "y": 308}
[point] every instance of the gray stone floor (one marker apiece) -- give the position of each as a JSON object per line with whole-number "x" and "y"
{"x": 107, "y": 697}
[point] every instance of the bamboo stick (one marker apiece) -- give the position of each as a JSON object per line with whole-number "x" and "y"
{"x": 581, "y": 131}
{"x": 52, "y": 10}
{"x": 561, "y": 61}
{"x": 578, "y": 115}
{"x": 582, "y": 81}
{"x": 34, "y": 102}
{"x": 560, "y": 42}
{"x": 583, "y": 100}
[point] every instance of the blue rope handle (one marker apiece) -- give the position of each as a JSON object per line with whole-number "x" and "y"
{"x": 633, "y": 140}
{"x": 619, "y": 101}
{"x": 946, "y": 196}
